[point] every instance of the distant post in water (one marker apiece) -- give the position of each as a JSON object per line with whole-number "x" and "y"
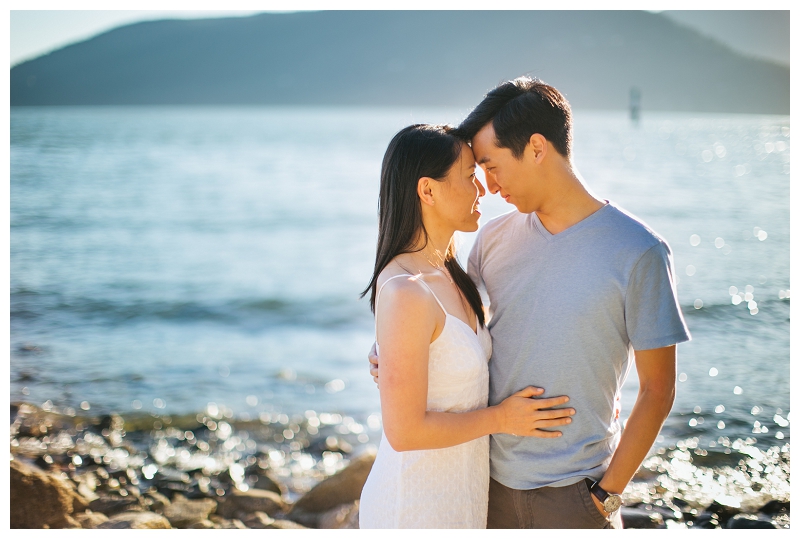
{"x": 635, "y": 103}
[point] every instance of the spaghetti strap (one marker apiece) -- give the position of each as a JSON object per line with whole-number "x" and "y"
{"x": 415, "y": 278}
{"x": 434, "y": 295}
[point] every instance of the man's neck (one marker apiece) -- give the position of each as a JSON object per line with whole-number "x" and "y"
{"x": 570, "y": 202}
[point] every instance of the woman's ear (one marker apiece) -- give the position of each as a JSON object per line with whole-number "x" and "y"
{"x": 425, "y": 190}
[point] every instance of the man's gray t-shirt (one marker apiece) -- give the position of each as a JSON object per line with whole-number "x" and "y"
{"x": 566, "y": 313}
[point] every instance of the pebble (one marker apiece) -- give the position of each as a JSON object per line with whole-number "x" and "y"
{"x": 202, "y": 472}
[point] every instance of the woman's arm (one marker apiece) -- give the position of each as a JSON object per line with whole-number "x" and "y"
{"x": 407, "y": 320}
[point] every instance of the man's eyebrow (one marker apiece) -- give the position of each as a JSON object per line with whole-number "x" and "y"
{"x": 484, "y": 160}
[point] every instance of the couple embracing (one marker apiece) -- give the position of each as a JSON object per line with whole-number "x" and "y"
{"x": 508, "y": 417}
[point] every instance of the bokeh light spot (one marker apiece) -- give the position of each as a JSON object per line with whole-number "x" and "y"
{"x": 334, "y": 386}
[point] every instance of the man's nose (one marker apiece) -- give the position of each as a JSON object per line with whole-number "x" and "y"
{"x": 491, "y": 183}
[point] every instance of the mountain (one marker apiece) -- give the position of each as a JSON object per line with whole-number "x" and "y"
{"x": 759, "y": 33}
{"x": 404, "y": 58}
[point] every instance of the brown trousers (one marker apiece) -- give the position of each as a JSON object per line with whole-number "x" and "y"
{"x": 546, "y": 507}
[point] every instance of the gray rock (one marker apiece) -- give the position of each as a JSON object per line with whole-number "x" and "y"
{"x": 667, "y": 513}
{"x": 88, "y": 493}
{"x": 39, "y": 499}
{"x": 340, "y": 488}
{"x": 280, "y": 524}
{"x": 136, "y": 520}
{"x": 723, "y": 511}
{"x": 203, "y": 524}
{"x": 637, "y": 517}
{"x": 749, "y": 522}
{"x": 182, "y": 512}
{"x": 227, "y": 524}
{"x": 114, "y": 503}
{"x": 267, "y": 481}
{"x": 89, "y": 520}
{"x": 258, "y": 521}
{"x": 706, "y": 521}
{"x": 155, "y": 501}
{"x": 251, "y": 501}
{"x": 775, "y": 507}
{"x": 344, "y": 517}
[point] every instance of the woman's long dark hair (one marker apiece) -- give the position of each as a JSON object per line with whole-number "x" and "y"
{"x": 419, "y": 150}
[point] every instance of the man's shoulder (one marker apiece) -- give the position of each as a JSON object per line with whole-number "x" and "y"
{"x": 632, "y": 231}
{"x": 501, "y": 223}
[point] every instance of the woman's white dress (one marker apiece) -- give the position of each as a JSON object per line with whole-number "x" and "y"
{"x": 438, "y": 488}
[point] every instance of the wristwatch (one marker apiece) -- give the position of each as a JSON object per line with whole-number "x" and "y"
{"x": 611, "y": 502}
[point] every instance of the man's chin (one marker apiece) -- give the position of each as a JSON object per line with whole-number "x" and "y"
{"x": 521, "y": 208}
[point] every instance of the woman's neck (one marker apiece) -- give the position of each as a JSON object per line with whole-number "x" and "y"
{"x": 435, "y": 245}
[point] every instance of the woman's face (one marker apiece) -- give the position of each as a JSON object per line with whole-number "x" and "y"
{"x": 461, "y": 193}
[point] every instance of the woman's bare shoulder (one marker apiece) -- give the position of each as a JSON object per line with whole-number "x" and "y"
{"x": 404, "y": 302}
{"x": 402, "y": 290}
{"x": 396, "y": 284}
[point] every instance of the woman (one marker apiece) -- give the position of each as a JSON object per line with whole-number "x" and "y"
{"x": 432, "y": 467}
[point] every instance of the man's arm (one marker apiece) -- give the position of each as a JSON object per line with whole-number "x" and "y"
{"x": 656, "y": 370}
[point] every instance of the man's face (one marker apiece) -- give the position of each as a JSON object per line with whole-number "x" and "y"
{"x": 505, "y": 174}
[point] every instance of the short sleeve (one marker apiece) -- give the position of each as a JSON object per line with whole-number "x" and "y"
{"x": 653, "y": 315}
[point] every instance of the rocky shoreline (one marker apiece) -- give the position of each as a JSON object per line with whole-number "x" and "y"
{"x": 211, "y": 472}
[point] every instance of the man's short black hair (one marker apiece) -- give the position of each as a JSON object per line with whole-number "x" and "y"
{"x": 519, "y": 108}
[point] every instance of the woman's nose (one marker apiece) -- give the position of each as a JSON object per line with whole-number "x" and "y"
{"x": 481, "y": 189}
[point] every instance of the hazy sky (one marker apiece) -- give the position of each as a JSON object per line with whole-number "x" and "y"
{"x": 36, "y": 32}
{"x": 757, "y": 33}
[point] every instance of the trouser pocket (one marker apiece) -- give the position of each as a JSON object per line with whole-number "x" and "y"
{"x": 591, "y": 509}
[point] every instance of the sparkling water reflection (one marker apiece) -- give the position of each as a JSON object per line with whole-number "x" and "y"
{"x": 163, "y": 258}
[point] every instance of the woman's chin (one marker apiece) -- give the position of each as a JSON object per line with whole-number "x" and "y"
{"x": 471, "y": 227}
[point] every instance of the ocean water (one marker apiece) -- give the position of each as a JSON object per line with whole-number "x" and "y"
{"x": 165, "y": 258}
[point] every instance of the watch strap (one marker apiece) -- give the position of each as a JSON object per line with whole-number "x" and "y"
{"x": 597, "y": 490}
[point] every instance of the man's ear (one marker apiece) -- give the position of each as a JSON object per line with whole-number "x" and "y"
{"x": 425, "y": 190}
{"x": 538, "y": 146}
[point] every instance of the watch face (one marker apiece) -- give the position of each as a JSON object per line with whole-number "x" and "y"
{"x": 612, "y": 503}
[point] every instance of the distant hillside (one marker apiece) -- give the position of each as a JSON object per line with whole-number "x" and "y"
{"x": 403, "y": 58}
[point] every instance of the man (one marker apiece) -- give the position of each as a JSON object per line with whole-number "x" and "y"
{"x": 577, "y": 288}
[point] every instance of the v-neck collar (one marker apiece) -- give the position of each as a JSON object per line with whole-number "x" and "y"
{"x": 537, "y": 223}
